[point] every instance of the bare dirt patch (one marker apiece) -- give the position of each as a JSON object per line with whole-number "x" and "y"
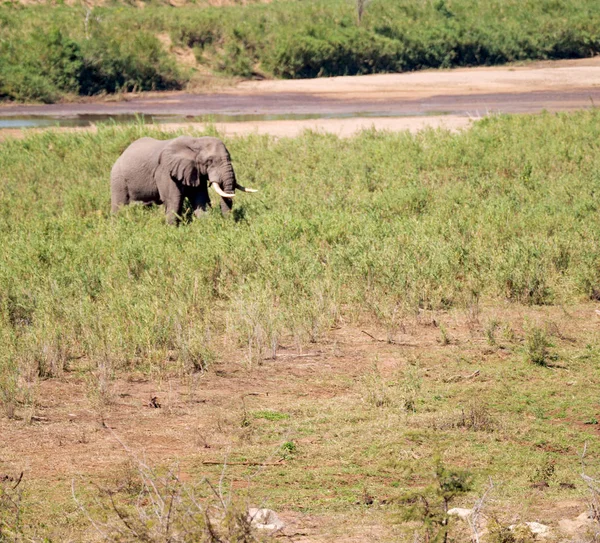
{"x": 321, "y": 399}
{"x": 529, "y": 77}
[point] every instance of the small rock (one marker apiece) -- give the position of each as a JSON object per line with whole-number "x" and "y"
{"x": 265, "y": 519}
{"x": 460, "y": 512}
{"x": 537, "y": 528}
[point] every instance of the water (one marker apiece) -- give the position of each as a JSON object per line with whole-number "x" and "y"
{"x": 39, "y": 121}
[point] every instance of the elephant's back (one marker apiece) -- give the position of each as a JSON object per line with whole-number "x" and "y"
{"x": 143, "y": 149}
{"x": 141, "y": 155}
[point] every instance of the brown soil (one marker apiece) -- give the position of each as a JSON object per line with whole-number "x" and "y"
{"x": 68, "y": 434}
{"x": 561, "y": 75}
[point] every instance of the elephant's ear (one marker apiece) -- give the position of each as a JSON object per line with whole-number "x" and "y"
{"x": 180, "y": 161}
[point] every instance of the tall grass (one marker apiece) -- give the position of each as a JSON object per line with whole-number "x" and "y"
{"x": 505, "y": 211}
{"x": 46, "y": 52}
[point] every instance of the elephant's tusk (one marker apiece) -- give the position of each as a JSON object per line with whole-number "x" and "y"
{"x": 244, "y": 189}
{"x": 221, "y": 192}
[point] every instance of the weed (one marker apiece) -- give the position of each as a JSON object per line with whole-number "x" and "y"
{"x": 444, "y": 337}
{"x": 360, "y": 9}
{"x": 163, "y": 508}
{"x": 477, "y": 418}
{"x": 376, "y": 389}
{"x": 99, "y": 387}
{"x": 270, "y": 415}
{"x": 289, "y": 450}
{"x": 537, "y": 347}
{"x": 9, "y": 389}
{"x": 508, "y": 333}
{"x": 501, "y": 533}
{"x": 544, "y": 471}
{"x": 593, "y": 487}
{"x": 11, "y": 509}
{"x": 490, "y": 332}
{"x": 411, "y": 387}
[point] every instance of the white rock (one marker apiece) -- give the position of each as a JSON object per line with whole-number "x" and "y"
{"x": 460, "y": 512}
{"x": 264, "y": 519}
{"x": 535, "y": 527}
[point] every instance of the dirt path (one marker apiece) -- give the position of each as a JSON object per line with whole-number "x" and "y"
{"x": 344, "y": 105}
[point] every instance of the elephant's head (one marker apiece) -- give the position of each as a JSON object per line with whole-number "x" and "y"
{"x": 189, "y": 159}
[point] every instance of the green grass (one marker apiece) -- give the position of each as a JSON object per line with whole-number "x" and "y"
{"x": 49, "y": 52}
{"x": 377, "y": 224}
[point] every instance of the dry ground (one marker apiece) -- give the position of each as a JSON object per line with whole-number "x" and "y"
{"x": 324, "y": 397}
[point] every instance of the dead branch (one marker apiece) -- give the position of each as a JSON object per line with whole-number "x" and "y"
{"x": 390, "y": 341}
{"x": 249, "y": 463}
{"x": 473, "y": 519}
{"x": 373, "y": 337}
{"x": 457, "y": 378}
{"x": 18, "y": 481}
{"x": 295, "y": 355}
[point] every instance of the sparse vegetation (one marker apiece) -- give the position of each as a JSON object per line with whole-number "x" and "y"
{"x": 155, "y": 506}
{"x": 11, "y": 508}
{"x": 48, "y": 52}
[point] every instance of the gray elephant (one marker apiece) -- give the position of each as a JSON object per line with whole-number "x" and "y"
{"x": 167, "y": 171}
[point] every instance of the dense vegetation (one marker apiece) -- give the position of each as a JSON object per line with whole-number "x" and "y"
{"x": 380, "y": 224}
{"x": 46, "y": 52}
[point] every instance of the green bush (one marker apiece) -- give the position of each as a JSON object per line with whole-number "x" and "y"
{"x": 43, "y": 64}
{"x": 48, "y": 51}
{"x": 292, "y": 39}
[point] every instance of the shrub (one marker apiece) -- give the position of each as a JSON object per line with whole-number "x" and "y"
{"x": 537, "y": 347}
{"x": 45, "y": 64}
{"x": 115, "y": 47}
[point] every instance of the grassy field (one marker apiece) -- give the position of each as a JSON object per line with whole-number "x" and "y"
{"x": 455, "y": 252}
{"x": 49, "y": 52}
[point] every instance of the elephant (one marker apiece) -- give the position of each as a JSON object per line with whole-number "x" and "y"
{"x": 155, "y": 171}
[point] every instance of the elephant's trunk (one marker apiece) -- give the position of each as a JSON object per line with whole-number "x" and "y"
{"x": 227, "y": 175}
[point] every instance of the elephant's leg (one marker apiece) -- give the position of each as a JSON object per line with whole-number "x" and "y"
{"x": 119, "y": 195}
{"x": 226, "y": 205}
{"x": 200, "y": 201}
{"x": 173, "y": 208}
